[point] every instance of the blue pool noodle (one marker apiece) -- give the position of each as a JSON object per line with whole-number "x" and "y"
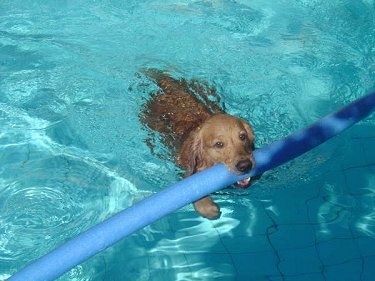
{"x": 188, "y": 190}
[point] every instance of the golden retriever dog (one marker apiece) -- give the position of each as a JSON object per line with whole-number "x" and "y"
{"x": 198, "y": 131}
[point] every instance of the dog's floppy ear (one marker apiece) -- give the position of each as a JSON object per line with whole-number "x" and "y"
{"x": 190, "y": 155}
{"x": 249, "y": 131}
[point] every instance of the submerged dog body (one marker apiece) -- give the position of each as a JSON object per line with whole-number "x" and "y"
{"x": 198, "y": 131}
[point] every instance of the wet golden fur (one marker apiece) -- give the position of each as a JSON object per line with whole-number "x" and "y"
{"x": 187, "y": 115}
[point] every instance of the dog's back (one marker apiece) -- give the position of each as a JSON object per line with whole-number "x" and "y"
{"x": 179, "y": 108}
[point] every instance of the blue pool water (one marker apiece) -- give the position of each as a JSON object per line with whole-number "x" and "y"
{"x": 72, "y": 150}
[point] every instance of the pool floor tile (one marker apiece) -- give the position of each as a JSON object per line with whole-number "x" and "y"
{"x": 368, "y": 269}
{"x": 305, "y": 277}
{"x": 366, "y": 246}
{"x": 338, "y": 251}
{"x": 255, "y": 266}
{"x": 246, "y": 244}
{"x": 207, "y": 266}
{"x": 347, "y": 271}
{"x": 296, "y": 236}
{"x": 299, "y": 261}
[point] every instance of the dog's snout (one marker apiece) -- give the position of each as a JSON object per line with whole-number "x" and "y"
{"x": 244, "y": 165}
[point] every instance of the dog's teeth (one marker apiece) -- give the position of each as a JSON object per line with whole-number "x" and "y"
{"x": 244, "y": 182}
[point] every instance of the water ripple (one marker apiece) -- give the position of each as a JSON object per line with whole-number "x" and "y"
{"x": 49, "y": 192}
{"x": 43, "y": 207}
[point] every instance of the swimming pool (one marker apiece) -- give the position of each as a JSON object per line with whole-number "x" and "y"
{"x": 72, "y": 150}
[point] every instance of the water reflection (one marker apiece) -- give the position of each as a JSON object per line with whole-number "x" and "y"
{"x": 49, "y": 192}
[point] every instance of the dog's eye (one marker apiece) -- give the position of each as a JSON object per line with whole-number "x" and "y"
{"x": 243, "y": 136}
{"x": 219, "y": 144}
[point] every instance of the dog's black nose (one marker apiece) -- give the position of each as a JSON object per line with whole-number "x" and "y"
{"x": 244, "y": 165}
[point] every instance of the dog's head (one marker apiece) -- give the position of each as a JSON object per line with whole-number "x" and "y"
{"x": 220, "y": 139}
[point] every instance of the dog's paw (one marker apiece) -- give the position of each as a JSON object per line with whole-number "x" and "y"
{"x": 207, "y": 208}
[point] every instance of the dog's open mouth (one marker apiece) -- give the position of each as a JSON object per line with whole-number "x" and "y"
{"x": 245, "y": 183}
